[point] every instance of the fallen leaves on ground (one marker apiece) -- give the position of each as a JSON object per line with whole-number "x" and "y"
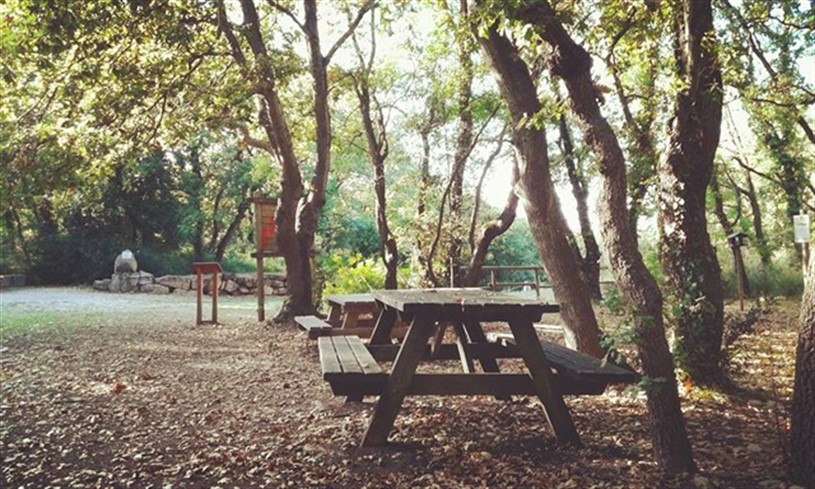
{"x": 154, "y": 402}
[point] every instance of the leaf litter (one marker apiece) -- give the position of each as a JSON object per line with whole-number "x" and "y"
{"x": 154, "y": 402}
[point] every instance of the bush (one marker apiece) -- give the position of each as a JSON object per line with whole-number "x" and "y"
{"x": 782, "y": 278}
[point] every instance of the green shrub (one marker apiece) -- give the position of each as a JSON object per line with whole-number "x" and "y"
{"x": 781, "y": 278}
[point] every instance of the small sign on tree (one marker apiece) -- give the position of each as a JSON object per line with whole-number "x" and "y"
{"x": 800, "y": 225}
{"x": 800, "y": 228}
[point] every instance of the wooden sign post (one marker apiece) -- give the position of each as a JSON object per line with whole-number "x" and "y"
{"x": 265, "y": 242}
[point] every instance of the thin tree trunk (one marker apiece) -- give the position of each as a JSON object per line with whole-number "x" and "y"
{"x": 491, "y": 231}
{"x": 573, "y": 64}
{"x": 376, "y": 137}
{"x": 464, "y": 142}
{"x": 802, "y": 422}
{"x": 590, "y": 261}
{"x": 545, "y": 218}
{"x": 232, "y": 229}
{"x": 688, "y": 259}
{"x": 728, "y": 226}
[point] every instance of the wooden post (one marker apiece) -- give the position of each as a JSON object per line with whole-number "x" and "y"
{"x": 739, "y": 275}
{"x": 199, "y": 296}
{"x": 265, "y": 243}
{"x": 261, "y": 288}
{"x": 213, "y": 268}
{"x": 213, "y": 290}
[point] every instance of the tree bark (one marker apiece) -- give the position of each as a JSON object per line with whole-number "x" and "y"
{"x": 232, "y": 229}
{"x": 298, "y": 211}
{"x": 590, "y": 261}
{"x": 573, "y": 64}
{"x": 802, "y": 423}
{"x": 545, "y": 218}
{"x": 728, "y": 226}
{"x": 492, "y": 230}
{"x": 688, "y": 259}
{"x": 376, "y": 137}
{"x": 464, "y": 142}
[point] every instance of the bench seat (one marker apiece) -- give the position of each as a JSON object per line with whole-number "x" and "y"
{"x": 576, "y": 367}
{"x": 314, "y": 326}
{"x": 349, "y": 367}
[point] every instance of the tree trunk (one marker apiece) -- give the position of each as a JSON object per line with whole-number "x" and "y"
{"x": 643, "y": 162}
{"x": 728, "y": 226}
{"x": 764, "y": 250}
{"x": 491, "y": 231}
{"x": 378, "y": 152}
{"x": 688, "y": 259}
{"x": 232, "y": 229}
{"x": 297, "y": 213}
{"x": 590, "y": 261}
{"x": 464, "y": 142}
{"x": 573, "y": 64}
{"x": 802, "y": 424}
{"x": 540, "y": 201}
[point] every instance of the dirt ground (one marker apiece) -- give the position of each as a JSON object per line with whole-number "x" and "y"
{"x": 127, "y": 392}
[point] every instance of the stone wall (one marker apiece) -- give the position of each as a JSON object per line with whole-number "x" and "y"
{"x": 228, "y": 283}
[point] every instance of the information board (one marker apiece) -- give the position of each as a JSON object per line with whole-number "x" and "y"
{"x": 800, "y": 225}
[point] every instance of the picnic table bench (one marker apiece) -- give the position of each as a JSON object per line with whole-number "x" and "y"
{"x": 352, "y": 369}
{"x": 349, "y": 315}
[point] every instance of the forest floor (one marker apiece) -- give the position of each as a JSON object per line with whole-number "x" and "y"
{"x": 102, "y": 390}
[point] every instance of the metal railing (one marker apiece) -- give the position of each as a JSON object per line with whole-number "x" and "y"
{"x": 494, "y": 284}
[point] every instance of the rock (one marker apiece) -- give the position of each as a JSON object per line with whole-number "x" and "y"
{"x": 183, "y": 282}
{"x": 129, "y": 282}
{"x": 103, "y": 284}
{"x": 230, "y": 287}
{"x": 125, "y": 263}
{"x": 155, "y": 289}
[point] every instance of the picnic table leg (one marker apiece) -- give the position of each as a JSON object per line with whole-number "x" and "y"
{"x": 462, "y": 340}
{"x": 554, "y": 407}
{"x": 475, "y": 334}
{"x": 381, "y": 335}
{"x": 398, "y": 383}
{"x": 335, "y": 315}
{"x": 199, "y": 297}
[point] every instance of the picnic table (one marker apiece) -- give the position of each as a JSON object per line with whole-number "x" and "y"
{"x": 350, "y": 314}
{"x": 352, "y": 310}
{"x": 352, "y": 368}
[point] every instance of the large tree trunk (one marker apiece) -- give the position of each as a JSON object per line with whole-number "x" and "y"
{"x": 297, "y": 213}
{"x": 573, "y": 64}
{"x": 590, "y": 261}
{"x": 802, "y": 424}
{"x": 545, "y": 218}
{"x": 688, "y": 259}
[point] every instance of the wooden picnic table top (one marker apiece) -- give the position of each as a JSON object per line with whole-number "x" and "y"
{"x": 466, "y": 301}
{"x": 351, "y": 300}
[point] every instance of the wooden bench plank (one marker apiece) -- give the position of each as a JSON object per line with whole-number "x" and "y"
{"x": 349, "y": 367}
{"x": 329, "y": 361}
{"x": 576, "y": 365}
{"x": 314, "y": 326}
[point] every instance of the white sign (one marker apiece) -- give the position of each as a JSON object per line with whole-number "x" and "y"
{"x": 800, "y": 225}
